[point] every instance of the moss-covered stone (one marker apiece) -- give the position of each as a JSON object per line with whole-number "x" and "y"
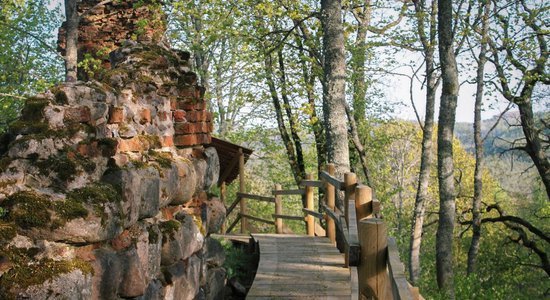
{"x": 164, "y": 160}
{"x": 169, "y": 228}
{"x": 107, "y": 146}
{"x": 70, "y": 209}
{"x": 27, "y": 271}
{"x": 96, "y": 195}
{"x": 33, "y": 110}
{"x": 153, "y": 235}
{"x": 4, "y": 163}
{"x": 28, "y": 127}
{"x": 64, "y": 167}
{"x": 28, "y": 209}
{"x": 7, "y": 232}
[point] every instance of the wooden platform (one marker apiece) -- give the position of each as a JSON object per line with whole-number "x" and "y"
{"x": 299, "y": 267}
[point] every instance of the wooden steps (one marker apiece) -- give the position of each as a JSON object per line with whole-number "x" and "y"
{"x": 299, "y": 267}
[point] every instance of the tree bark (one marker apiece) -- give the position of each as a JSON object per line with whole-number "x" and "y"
{"x": 334, "y": 95}
{"x": 71, "y": 40}
{"x": 288, "y": 143}
{"x": 445, "y": 165}
{"x": 478, "y": 140}
{"x": 300, "y": 166}
{"x": 428, "y": 46}
{"x": 533, "y": 71}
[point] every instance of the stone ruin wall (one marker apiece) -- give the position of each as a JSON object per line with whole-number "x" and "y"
{"x": 104, "y": 28}
{"x": 103, "y": 187}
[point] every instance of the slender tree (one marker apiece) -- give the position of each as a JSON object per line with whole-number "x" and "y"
{"x": 335, "y": 82}
{"x": 445, "y": 165}
{"x": 429, "y": 41}
{"x": 520, "y": 46}
{"x": 485, "y": 9}
{"x": 71, "y": 40}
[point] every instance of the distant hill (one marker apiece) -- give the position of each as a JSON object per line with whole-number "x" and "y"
{"x": 501, "y": 137}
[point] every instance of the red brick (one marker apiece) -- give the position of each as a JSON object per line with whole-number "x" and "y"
{"x": 186, "y": 140}
{"x": 196, "y": 116}
{"x": 201, "y": 105}
{"x": 181, "y": 128}
{"x": 179, "y": 115}
{"x": 134, "y": 144}
{"x": 116, "y": 115}
{"x": 145, "y": 115}
{"x": 210, "y": 127}
{"x": 208, "y": 116}
{"x": 204, "y": 138}
{"x": 167, "y": 141}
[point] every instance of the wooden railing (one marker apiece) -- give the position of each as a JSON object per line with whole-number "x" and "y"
{"x": 372, "y": 257}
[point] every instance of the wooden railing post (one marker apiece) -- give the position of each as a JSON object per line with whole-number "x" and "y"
{"x": 331, "y": 202}
{"x": 278, "y": 210}
{"x": 373, "y": 277}
{"x": 310, "y": 220}
{"x": 222, "y": 199}
{"x": 244, "y": 222}
{"x": 350, "y": 181}
{"x": 363, "y": 202}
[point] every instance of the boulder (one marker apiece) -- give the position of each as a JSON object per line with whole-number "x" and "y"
{"x": 108, "y": 274}
{"x": 180, "y": 239}
{"x": 182, "y": 279}
{"x": 215, "y": 287}
{"x": 213, "y": 168}
{"x": 72, "y": 285}
{"x": 215, "y": 215}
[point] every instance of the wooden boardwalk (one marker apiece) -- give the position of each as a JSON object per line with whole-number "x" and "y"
{"x": 299, "y": 267}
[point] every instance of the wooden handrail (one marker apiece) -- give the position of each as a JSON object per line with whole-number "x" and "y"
{"x": 396, "y": 270}
{"x": 313, "y": 213}
{"x": 326, "y": 176}
{"x": 257, "y": 219}
{"x": 256, "y": 197}
{"x": 233, "y": 205}
{"x": 289, "y": 192}
{"x": 288, "y": 217}
{"x": 233, "y": 224}
{"x": 361, "y": 235}
{"x": 312, "y": 183}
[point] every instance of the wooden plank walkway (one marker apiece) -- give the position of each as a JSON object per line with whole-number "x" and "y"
{"x": 299, "y": 267}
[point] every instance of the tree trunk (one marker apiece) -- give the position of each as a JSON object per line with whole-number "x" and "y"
{"x": 300, "y": 166}
{"x": 445, "y": 166}
{"x": 335, "y": 77}
{"x": 71, "y": 44}
{"x": 288, "y": 143}
{"x": 478, "y": 173}
{"x": 428, "y": 44}
{"x": 309, "y": 75}
{"x": 359, "y": 84}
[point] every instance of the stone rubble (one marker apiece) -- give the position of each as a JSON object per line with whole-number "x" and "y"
{"x": 103, "y": 188}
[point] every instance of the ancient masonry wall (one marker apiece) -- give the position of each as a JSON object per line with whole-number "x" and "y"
{"x": 103, "y": 188}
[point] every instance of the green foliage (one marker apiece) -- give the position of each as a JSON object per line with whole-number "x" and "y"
{"x": 28, "y": 59}
{"x": 238, "y": 262}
